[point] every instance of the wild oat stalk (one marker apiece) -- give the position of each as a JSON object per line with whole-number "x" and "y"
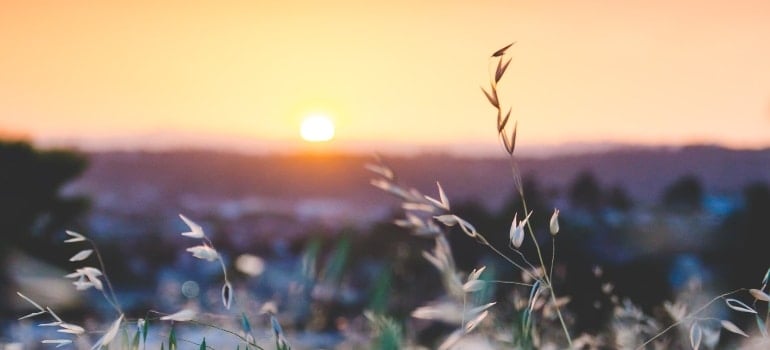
{"x": 86, "y": 277}
{"x": 509, "y": 143}
{"x": 207, "y": 252}
{"x": 422, "y": 211}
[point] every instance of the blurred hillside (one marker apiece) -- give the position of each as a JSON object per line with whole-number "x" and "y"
{"x": 338, "y": 186}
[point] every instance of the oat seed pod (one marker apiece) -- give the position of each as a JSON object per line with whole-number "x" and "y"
{"x": 553, "y": 225}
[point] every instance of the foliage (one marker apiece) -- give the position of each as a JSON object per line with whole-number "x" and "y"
{"x": 32, "y": 207}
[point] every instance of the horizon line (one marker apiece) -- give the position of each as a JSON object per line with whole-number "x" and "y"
{"x": 461, "y": 150}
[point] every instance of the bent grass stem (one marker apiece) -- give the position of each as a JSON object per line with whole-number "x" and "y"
{"x": 114, "y": 301}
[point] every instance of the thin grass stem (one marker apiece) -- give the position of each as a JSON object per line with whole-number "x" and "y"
{"x": 242, "y": 338}
{"x": 511, "y": 282}
{"x": 553, "y": 256}
{"x": 546, "y": 276}
{"x": 514, "y": 263}
{"x": 114, "y": 301}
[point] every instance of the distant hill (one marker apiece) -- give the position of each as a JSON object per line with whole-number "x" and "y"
{"x": 643, "y": 172}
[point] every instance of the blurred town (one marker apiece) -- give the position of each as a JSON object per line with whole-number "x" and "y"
{"x": 654, "y": 220}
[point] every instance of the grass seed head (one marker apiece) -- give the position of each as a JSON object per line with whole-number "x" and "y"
{"x": 76, "y": 237}
{"x": 517, "y": 230}
{"x": 196, "y": 231}
{"x": 759, "y": 295}
{"x": 204, "y": 252}
{"x": 183, "y": 315}
{"x": 553, "y": 224}
{"x": 501, "y": 51}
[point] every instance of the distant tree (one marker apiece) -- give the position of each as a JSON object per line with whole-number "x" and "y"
{"x": 585, "y": 193}
{"x": 618, "y": 199}
{"x": 684, "y": 195}
{"x": 744, "y": 237}
{"x": 32, "y": 207}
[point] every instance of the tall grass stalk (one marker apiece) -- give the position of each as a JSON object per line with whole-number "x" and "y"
{"x": 509, "y": 143}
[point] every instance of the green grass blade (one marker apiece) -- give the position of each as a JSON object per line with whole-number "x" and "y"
{"x": 135, "y": 341}
{"x": 172, "y": 340}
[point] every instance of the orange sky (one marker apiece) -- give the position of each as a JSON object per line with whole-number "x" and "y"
{"x": 395, "y": 75}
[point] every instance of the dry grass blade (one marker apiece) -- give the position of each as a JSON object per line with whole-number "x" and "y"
{"x": 492, "y": 97}
{"x": 196, "y": 231}
{"x": 59, "y": 342}
{"x": 502, "y": 122}
{"x": 506, "y": 143}
{"x": 759, "y": 295}
{"x": 501, "y": 52}
{"x": 442, "y": 196}
{"x": 737, "y": 305}
{"x": 499, "y": 120}
{"x": 733, "y": 328}
{"x": 183, "y": 315}
{"x": 81, "y": 255}
{"x": 696, "y": 335}
{"x": 380, "y": 170}
{"x": 38, "y": 313}
{"x": 76, "y": 237}
{"x": 452, "y": 339}
{"x": 36, "y": 305}
{"x": 513, "y": 137}
{"x": 108, "y": 337}
{"x": 471, "y": 325}
{"x": 442, "y": 203}
{"x": 501, "y": 69}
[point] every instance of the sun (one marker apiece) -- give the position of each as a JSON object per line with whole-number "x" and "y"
{"x": 317, "y": 128}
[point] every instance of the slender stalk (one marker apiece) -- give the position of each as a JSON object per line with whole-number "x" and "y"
{"x": 534, "y": 239}
{"x": 514, "y": 263}
{"x": 244, "y": 339}
{"x": 561, "y": 318}
{"x": 546, "y": 276}
{"x": 465, "y": 297}
{"x": 553, "y": 256}
{"x": 524, "y": 258}
{"x": 114, "y": 301}
{"x": 219, "y": 257}
{"x": 511, "y": 282}
{"x": 222, "y": 264}
{"x": 510, "y": 146}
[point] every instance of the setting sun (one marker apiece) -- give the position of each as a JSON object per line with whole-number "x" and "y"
{"x": 317, "y": 128}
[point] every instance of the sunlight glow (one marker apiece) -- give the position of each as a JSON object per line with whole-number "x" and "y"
{"x": 317, "y": 128}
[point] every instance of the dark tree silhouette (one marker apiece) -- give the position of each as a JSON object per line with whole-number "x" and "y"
{"x": 618, "y": 199}
{"x": 32, "y": 208}
{"x": 744, "y": 238}
{"x": 585, "y": 193}
{"x": 31, "y": 205}
{"x": 684, "y": 195}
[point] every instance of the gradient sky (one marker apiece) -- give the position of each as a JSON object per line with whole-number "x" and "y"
{"x": 395, "y": 75}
